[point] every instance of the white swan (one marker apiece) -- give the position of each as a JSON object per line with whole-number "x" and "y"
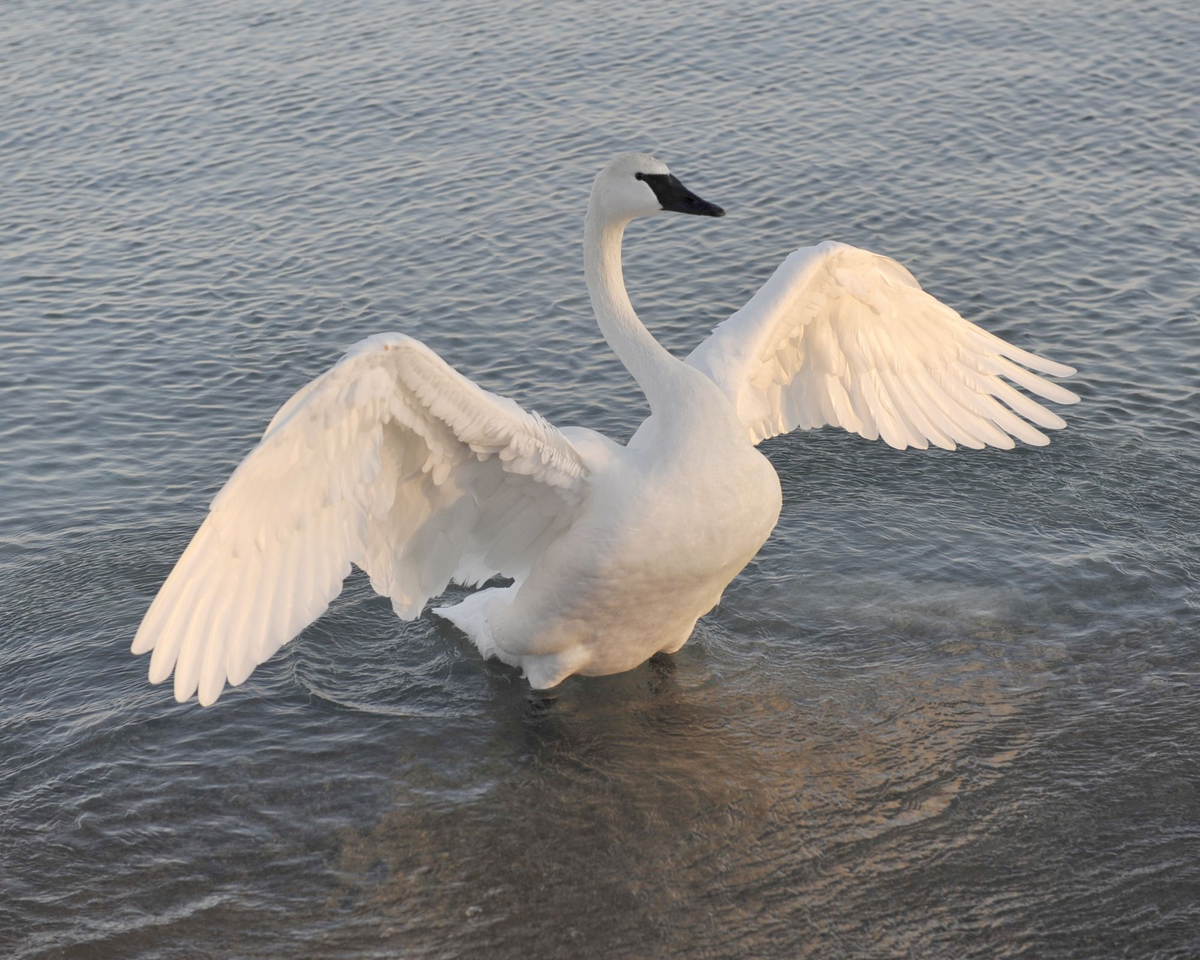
{"x": 393, "y": 461}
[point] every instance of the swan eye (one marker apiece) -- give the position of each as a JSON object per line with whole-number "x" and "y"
{"x": 639, "y": 176}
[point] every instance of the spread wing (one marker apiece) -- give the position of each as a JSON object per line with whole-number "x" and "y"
{"x": 845, "y": 337}
{"x": 390, "y": 460}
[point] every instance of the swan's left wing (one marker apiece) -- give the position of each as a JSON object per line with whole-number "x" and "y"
{"x": 391, "y": 460}
{"x": 845, "y": 337}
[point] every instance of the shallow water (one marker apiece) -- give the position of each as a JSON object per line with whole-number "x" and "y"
{"x": 950, "y": 711}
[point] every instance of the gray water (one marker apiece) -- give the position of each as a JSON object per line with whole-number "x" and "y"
{"x": 951, "y": 710}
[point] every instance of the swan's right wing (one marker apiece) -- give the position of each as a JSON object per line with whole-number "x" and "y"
{"x": 845, "y": 337}
{"x": 391, "y": 460}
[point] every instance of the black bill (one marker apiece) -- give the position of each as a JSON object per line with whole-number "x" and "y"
{"x": 674, "y": 196}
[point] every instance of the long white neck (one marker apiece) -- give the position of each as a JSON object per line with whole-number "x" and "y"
{"x": 652, "y": 366}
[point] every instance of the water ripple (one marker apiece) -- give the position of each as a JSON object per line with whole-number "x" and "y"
{"x": 949, "y": 711}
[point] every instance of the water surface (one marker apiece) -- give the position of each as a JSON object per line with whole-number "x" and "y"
{"x": 951, "y": 710}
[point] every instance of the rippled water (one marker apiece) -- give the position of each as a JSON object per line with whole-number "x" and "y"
{"x": 950, "y": 711}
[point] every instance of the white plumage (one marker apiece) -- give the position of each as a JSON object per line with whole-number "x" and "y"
{"x": 393, "y": 461}
{"x": 843, "y": 337}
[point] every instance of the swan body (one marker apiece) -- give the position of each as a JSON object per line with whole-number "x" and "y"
{"x": 393, "y": 461}
{"x": 639, "y": 566}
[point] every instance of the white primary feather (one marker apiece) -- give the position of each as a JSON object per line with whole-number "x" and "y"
{"x": 390, "y": 460}
{"x": 843, "y": 337}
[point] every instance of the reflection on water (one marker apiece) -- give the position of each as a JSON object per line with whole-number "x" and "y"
{"x": 949, "y": 711}
{"x": 689, "y": 809}
{"x": 692, "y": 805}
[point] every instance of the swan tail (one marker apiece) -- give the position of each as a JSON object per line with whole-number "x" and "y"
{"x": 471, "y": 617}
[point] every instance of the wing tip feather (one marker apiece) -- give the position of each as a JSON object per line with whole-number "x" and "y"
{"x": 142, "y": 642}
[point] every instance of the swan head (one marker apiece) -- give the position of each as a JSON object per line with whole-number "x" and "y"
{"x": 639, "y": 185}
